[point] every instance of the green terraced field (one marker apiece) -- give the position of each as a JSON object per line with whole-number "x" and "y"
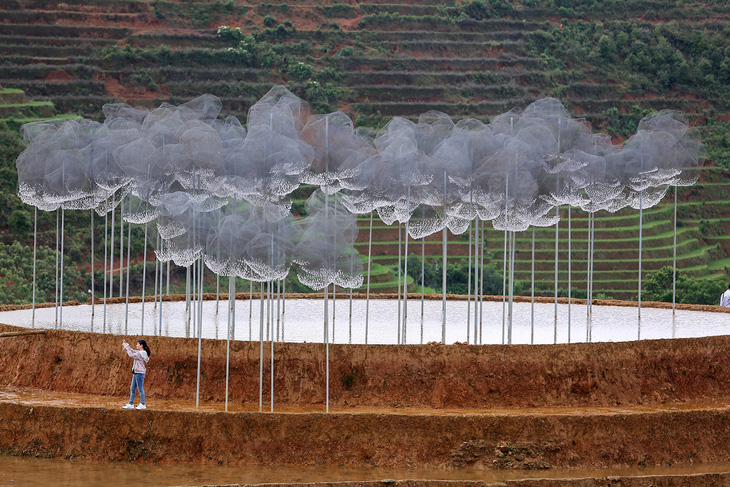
{"x": 381, "y": 58}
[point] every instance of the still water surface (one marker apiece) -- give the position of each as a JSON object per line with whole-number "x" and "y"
{"x": 301, "y": 320}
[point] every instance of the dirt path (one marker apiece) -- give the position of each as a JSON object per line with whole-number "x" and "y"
{"x": 39, "y": 397}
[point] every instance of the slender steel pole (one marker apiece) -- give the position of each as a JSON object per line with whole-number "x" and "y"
{"x": 111, "y": 257}
{"x": 217, "y": 277}
{"x": 570, "y": 271}
{"x": 92, "y": 268}
{"x": 168, "y": 279}
{"x": 400, "y": 261}
{"x": 162, "y": 245}
{"x": 443, "y": 271}
{"x": 278, "y": 311}
{"x": 272, "y": 358}
{"x": 593, "y": 246}
{"x": 532, "y": 292}
{"x": 233, "y": 308}
{"x": 423, "y": 284}
{"x": 511, "y": 282}
{"x": 674, "y": 259}
{"x": 405, "y": 278}
{"x": 641, "y": 228}
{"x": 588, "y": 273}
{"x": 508, "y": 290}
{"x": 158, "y": 270}
{"x": 588, "y": 278}
{"x": 557, "y": 236}
{"x": 200, "y": 332}
{"x": 261, "y": 351}
{"x": 60, "y": 299}
{"x": 35, "y": 245}
{"x": 504, "y": 257}
{"x": 106, "y": 234}
{"x": 144, "y": 274}
{"x": 283, "y": 308}
{"x": 121, "y": 248}
{"x": 352, "y": 269}
{"x": 468, "y": 292}
{"x": 193, "y": 298}
{"x": 250, "y": 307}
{"x": 476, "y": 280}
{"x": 268, "y": 309}
{"x": 481, "y": 285}
{"x": 327, "y": 350}
{"x": 367, "y": 292}
{"x": 228, "y": 340}
{"x": 187, "y": 302}
{"x": 58, "y": 234}
{"x": 129, "y": 269}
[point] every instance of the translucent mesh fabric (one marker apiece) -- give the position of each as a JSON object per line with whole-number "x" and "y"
{"x": 222, "y": 191}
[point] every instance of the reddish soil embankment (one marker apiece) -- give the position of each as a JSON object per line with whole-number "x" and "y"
{"x": 459, "y": 406}
{"x": 422, "y": 376}
{"x": 457, "y": 440}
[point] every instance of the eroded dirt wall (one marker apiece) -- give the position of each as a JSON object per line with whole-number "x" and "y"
{"x": 385, "y": 440}
{"x": 429, "y": 376}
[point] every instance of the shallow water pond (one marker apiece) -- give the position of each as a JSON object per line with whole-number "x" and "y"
{"x": 302, "y": 320}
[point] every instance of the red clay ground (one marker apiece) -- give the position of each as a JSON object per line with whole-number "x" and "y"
{"x": 661, "y": 402}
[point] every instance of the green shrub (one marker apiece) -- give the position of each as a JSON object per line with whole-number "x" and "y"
{"x": 20, "y": 221}
{"x": 346, "y": 51}
{"x": 300, "y": 71}
{"x": 338, "y": 10}
{"x": 269, "y": 21}
{"x": 323, "y": 98}
{"x": 227, "y": 34}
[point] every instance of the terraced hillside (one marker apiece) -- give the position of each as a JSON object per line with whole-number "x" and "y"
{"x": 610, "y": 62}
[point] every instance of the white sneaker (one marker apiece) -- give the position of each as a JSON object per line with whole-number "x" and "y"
{"x": 128, "y": 406}
{"x": 141, "y": 406}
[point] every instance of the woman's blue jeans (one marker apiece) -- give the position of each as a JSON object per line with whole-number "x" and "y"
{"x": 137, "y": 383}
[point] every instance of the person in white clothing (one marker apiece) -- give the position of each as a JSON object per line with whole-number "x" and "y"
{"x": 141, "y": 355}
{"x": 725, "y": 298}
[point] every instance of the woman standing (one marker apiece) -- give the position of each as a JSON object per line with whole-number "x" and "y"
{"x": 141, "y": 355}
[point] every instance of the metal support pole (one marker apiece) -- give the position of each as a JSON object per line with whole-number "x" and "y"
{"x": 423, "y": 284}
{"x": 92, "y": 270}
{"x": 35, "y": 245}
{"x": 106, "y": 235}
{"x": 570, "y": 270}
{"x": 443, "y": 271}
{"x": 468, "y": 291}
{"x": 557, "y": 236}
{"x": 144, "y": 274}
{"x": 60, "y": 300}
{"x": 641, "y": 228}
{"x": 532, "y": 292}
{"x": 674, "y": 259}
{"x": 400, "y": 261}
{"x": 228, "y": 341}
{"x": 111, "y": 257}
{"x": 261, "y": 351}
{"x": 367, "y": 292}
{"x": 129, "y": 270}
{"x": 58, "y": 235}
{"x": 121, "y": 248}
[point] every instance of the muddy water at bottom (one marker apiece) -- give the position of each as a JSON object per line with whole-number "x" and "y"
{"x": 23, "y": 471}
